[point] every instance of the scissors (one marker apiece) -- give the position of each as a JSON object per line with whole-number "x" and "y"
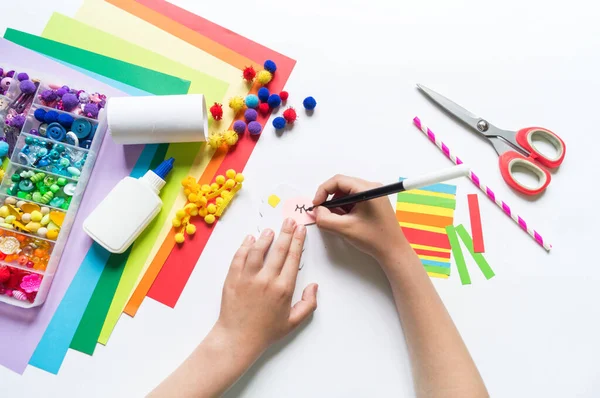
{"x": 516, "y": 149}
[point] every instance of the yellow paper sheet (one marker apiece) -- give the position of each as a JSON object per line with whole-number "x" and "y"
{"x": 63, "y": 29}
{"x": 115, "y": 21}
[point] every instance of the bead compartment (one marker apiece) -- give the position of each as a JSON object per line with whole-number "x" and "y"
{"x": 49, "y": 156}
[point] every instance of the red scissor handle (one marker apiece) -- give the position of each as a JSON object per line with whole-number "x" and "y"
{"x": 511, "y": 160}
{"x": 525, "y": 139}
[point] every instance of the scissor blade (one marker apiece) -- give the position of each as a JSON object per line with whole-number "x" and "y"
{"x": 455, "y": 109}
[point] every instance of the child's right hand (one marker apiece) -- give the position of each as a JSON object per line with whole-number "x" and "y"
{"x": 370, "y": 226}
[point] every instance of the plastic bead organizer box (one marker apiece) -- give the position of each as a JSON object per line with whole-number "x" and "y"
{"x": 53, "y": 132}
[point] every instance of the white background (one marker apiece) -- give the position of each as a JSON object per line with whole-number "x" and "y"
{"x": 532, "y": 330}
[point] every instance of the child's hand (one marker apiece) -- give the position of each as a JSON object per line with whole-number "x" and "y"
{"x": 256, "y": 308}
{"x": 371, "y": 225}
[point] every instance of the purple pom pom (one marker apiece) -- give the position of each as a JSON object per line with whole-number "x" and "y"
{"x": 70, "y": 102}
{"x": 17, "y": 121}
{"x": 49, "y": 96}
{"x": 27, "y": 87}
{"x": 62, "y": 91}
{"x": 250, "y": 115}
{"x": 254, "y": 128}
{"x": 239, "y": 126}
{"x": 91, "y": 110}
{"x": 22, "y": 76}
{"x": 10, "y": 73}
{"x": 1, "y": 72}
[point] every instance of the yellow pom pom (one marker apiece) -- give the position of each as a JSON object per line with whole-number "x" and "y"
{"x": 192, "y": 209}
{"x": 205, "y": 188}
{"x": 237, "y": 103}
{"x": 264, "y": 77}
{"x": 209, "y": 219}
{"x": 239, "y": 177}
{"x": 230, "y": 137}
{"x": 179, "y": 238}
{"x": 225, "y": 194}
{"x": 230, "y": 173}
{"x": 219, "y": 201}
{"x": 190, "y": 229}
{"x": 220, "y": 180}
{"x": 229, "y": 183}
{"x": 180, "y": 214}
{"x": 201, "y": 201}
{"x": 193, "y": 197}
{"x": 187, "y": 191}
{"x": 202, "y": 212}
{"x": 215, "y": 140}
{"x": 212, "y": 209}
{"x": 214, "y": 186}
{"x": 176, "y": 222}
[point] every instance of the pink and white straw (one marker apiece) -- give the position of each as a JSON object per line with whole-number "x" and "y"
{"x": 486, "y": 190}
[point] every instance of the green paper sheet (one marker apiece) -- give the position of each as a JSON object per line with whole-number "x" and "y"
{"x": 478, "y": 257}
{"x": 459, "y": 258}
{"x": 71, "y": 32}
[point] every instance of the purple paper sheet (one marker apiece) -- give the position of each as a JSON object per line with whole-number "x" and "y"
{"x": 22, "y": 329}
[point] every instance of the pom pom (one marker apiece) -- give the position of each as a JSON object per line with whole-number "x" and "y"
{"x": 236, "y": 103}
{"x": 230, "y": 137}
{"x": 1, "y": 72}
{"x": 263, "y": 94}
{"x": 274, "y": 101}
{"x": 284, "y": 95}
{"x": 10, "y": 73}
{"x": 264, "y": 109}
{"x": 215, "y": 140}
{"x": 309, "y": 103}
{"x": 252, "y": 101}
{"x": 279, "y": 122}
{"x": 190, "y": 229}
{"x": 39, "y": 114}
{"x": 3, "y": 148}
{"x": 22, "y": 76}
{"x": 290, "y": 115}
{"x": 49, "y": 96}
{"x": 250, "y": 115}
{"x": 17, "y": 121}
{"x": 179, "y": 238}
{"x": 51, "y": 117}
{"x": 90, "y": 110}
{"x": 264, "y": 77}
{"x": 239, "y": 126}
{"x": 65, "y": 120}
{"x": 27, "y": 87}
{"x": 70, "y": 101}
{"x": 216, "y": 111}
{"x": 62, "y": 91}
{"x": 270, "y": 66}
{"x": 254, "y": 128}
{"x": 249, "y": 73}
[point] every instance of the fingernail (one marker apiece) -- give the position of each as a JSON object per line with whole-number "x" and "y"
{"x": 249, "y": 239}
{"x": 267, "y": 232}
{"x": 301, "y": 229}
{"x": 289, "y": 223}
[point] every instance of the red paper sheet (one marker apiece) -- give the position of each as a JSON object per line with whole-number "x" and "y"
{"x": 476, "y": 229}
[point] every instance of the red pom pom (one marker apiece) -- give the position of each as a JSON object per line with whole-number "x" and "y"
{"x": 290, "y": 115}
{"x": 264, "y": 109}
{"x": 14, "y": 281}
{"x": 284, "y": 95}
{"x": 249, "y": 73}
{"x": 216, "y": 111}
{"x": 4, "y": 274}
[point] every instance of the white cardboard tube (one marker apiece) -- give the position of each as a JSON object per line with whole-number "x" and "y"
{"x": 157, "y": 119}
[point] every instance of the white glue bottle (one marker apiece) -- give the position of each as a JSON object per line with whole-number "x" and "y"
{"x": 128, "y": 209}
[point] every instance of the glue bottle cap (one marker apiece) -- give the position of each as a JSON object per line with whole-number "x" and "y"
{"x": 156, "y": 178}
{"x": 164, "y": 168}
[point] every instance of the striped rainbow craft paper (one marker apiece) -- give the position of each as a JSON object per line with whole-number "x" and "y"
{"x": 423, "y": 215}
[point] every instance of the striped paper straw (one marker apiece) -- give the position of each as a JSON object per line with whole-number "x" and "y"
{"x": 486, "y": 190}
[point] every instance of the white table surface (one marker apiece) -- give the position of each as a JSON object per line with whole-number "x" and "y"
{"x": 532, "y": 330}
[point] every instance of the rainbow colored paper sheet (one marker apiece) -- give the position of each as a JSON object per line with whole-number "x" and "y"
{"x": 423, "y": 215}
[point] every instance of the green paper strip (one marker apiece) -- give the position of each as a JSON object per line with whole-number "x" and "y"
{"x": 437, "y": 270}
{"x": 142, "y": 78}
{"x": 408, "y": 197}
{"x": 478, "y": 257}
{"x": 459, "y": 258}
{"x": 72, "y": 32}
